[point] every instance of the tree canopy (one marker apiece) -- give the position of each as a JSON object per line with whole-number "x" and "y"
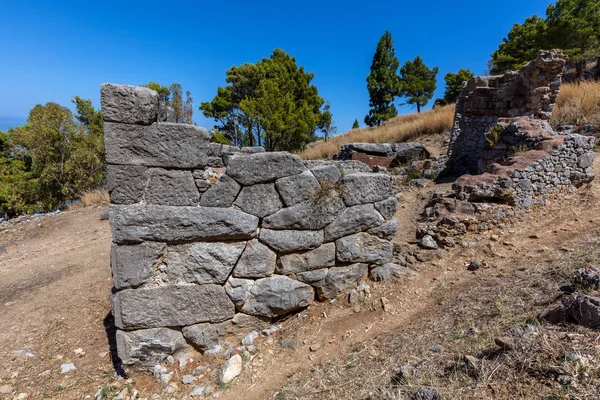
{"x": 355, "y": 125}
{"x": 454, "y": 86}
{"x": 418, "y": 82}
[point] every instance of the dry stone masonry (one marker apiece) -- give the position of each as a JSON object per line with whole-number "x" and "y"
{"x": 211, "y": 241}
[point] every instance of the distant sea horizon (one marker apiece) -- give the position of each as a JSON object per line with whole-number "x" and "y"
{"x": 11, "y": 122}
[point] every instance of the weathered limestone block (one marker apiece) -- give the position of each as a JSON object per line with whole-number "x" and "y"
{"x": 327, "y": 173}
{"x": 388, "y": 271}
{"x": 238, "y": 289}
{"x": 252, "y": 149}
{"x": 297, "y": 188}
{"x": 136, "y": 223}
{"x": 586, "y": 159}
{"x": 312, "y": 277}
{"x": 260, "y": 200}
{"x": 339, "y": 280}
{"x": 221, "y": 194}
{"x": 387, "y": 208}
{"x": 290, "y": 241}
{"x": 204, "y": 262}
{"x": 166, "y": 145}
{"x": 362, "y": 188}
{"x": 310, "y": 214}
{"x": 133, "y": 266}
{"x": 363, "y": 247}
{"x": 242, "y": 324}
{"x": 386, "y": 230}
{"x": 352, "y": 220}
{"x": 171, "y": 305}
{"x": 147, "y": 347}
{"x": 128, "y": 104}
{"x": 320, "y": 257}
{"x": 257, "y": 261}
{"x": 278, "y": 295}
{"x": 263, "y": 167}
{"x": 126, "y": 183}
{"x": 171, "y": 188}
{"x": 206, "y": 335}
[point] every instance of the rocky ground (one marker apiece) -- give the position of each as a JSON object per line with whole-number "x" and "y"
{"x": 439, "y": 327}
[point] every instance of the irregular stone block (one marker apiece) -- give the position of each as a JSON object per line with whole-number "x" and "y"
{"x": 252, "y": 149}
{"x": 290, "y": 241}
{"x": 311, "y": 214}
{"x": 147, "y": 347}
{"x": 180, "y": 145}
{"x": 126, "y": 183}
{"x": 340, "y": 279}
{"x": 363, "y": 187}
{"x": 327, "y": 173}
{"x": 221, "y": 194}
{"x": 136, "y": 223}
{"x": 321, "y": 257}
{"x": 312, "y": 277}
{"x": 388, "y": 271}
{"x": 363, "y": 247}
{"x": 277, "y": 295}
{"x": 171, "y": 305}
{"x": 387, "y": 208}
{"x": 242, "y": 324}
{"x": 297, "y": 188}
{"x": 206, "y": 335}
{"x": 263, "y": 167}
{"x": 260, "y": 200}
{"x": 257, "y": 261}
{"x": 133, "y": 266}
{"x": 352, "y": 220}
{"x": 203, "y": 262}
{"x": 586, "y": 159}
{"x": 237, "y": 290}
{"x": 128, "y": 104}
{"x": 171, "y": 188}
{"x": 386, "y": 231}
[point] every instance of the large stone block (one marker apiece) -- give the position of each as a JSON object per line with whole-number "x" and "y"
{"x": 352, "y": 220}
{"x": 171, "y": 188}
{"x": 278, "y": 295}
{"x": 387, "y": 208}
{"x": 297, "y": 188}
{"x": 126, "y": 183}
{"x": 310, "y": 214}
{"x": 145, "y": 348}
{"x": 313, "y": 277}
{"x": 260, "y": 200}
{"x": 290, "y": 241}
{"x": 136, "y": 223}
{"x": 238, "y": 289}
{"x": 242, "y": 324}
{"x": 203, "y": 262}
{"x": 321, "y": 257}
{"x": 166, "y": 145}
{"x": 206, "y": 335}
{"x": 133, "y": 266}
{"x": 386, "y": 230}
{"x": 257, "y": 261}
{"x": 263, "y": 167}
{"x": 171, "y": 305}
{"x": 363, "y": 247}
{"x": 339, "y": 280}
{"x": 362, "y": 188}
{"x": 128, "y": 104}
{"x": 221, "y": 194}
{"x": 327, "y": 174}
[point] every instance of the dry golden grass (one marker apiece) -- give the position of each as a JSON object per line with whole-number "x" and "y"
{"x": 95, "y": 197}
{"x": 399, "y": 129}
{"x": 577, "y": 104}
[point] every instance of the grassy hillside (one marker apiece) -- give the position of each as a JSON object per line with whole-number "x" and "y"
{"x": 578, "y": 104}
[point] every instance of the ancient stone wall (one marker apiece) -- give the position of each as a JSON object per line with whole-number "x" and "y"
{"x": 209, "y": 242}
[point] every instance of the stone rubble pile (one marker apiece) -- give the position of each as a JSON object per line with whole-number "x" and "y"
{"x": 209, "y": 241}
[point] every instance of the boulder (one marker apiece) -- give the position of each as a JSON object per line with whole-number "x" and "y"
{"x": 128, "y": 104}
{"x": 126, "y": 183}
{"x": 362, "y": 247}
{"x": 221, "y": 194}
{"x": 203, "y": 262}
{"x": 388, "y": 271}
{"x": 206, "y": 335}
{"x": 133, "y": 266}
{"x": 181, "y": 145}
{"x": 277, "y": 295}
{"x": 137, "y": 223}
{"x": 145, "y": 348}
{"x": 363, "y": 188}
{"x": 340, "y": 279}
{"x": 290, "y": 241}
{"x": 257, "y": 261}
{"x": 237, "y": 290}
{"x": 311, "y": 214}
{"x": 260, "y": 200}
{"x": 387, "y": 208}
{"x": 386, "y": 231}
{"x": 171, "y": 188}
{"x": 352, "y": 220}
{"x": 171, "y": 305}
{"x": 320, "y": 257}
{"x": 297, "y": 188}
{"x": 263, "y": 167}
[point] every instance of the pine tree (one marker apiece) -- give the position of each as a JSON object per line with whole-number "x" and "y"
{"x": 418, "y": 82}
{"x": 355, "y": 125}
{"x": 383, "y": 82}
{"x": 454, "y": 86}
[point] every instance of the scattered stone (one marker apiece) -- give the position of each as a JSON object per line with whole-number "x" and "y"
{"x": 587, "y": 278}
{"x": 315, "y": 347}
{"x": 231, "y": 369}
{"x": 188, "y": 379}
{"x": 290, "y": 344}
{"x": 249, "y": 339}
{"x": 104, "y": 215}
{"x": 404, "y": 375}
{"x": 436, "y": 348}
{"x": 426, "y": 393}
{"x": 171, "y": 388}
{"x": 385, "y": 304}
{"x": 65, "y": 368}
{"x": 504, "y": 342}
{"x": 427, "y": 242}
{"x": 475, "y": 265}
{"x": 197, "y": 391}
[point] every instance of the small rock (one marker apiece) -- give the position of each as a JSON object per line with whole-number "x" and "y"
{"x": 472, "y": 366}
{"x": 104, "y": 215}
{"x": 572, "y": 357}
{"x": 213, "y": 351}
{"x": 472, "y": 332}
{"x": 188, "y": 379}
{"x": 494, "y": 238}
{"x": 79, "y": 352}
{"x": 166, "y": 378}
{"x": 427, "y": 242}
{"x": 170, "y": 360}
{"x": 172, "y": 388}
{"x": 197, "y": 391}
{"x": 315, "y": 347}
{"x": 64, "y": 368}
{"x": 353, "y": 296}
{"x": 426, "y": 393}
{"x": 158, "y": 371}
{"x": 475, "y": 265}
{"x": 249, "y": 339}
{"x": 505, "y": 343}
{"x": 291, "y": 344}
{"x": 231, "y": 369}
{"x": 436, "y": 348}
{"x": 403, "y": 376}
{"x": 6, "y": 389}
{"x": 564, "y": 379}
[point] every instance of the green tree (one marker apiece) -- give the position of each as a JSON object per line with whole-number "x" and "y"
{"x": 163, "y": 91}
{"x": 454, "y": 84}
{"x": 418, "y": 82}
{"x": 383, "y": 82}
{"x": 355, "y": 125}
{"x": 326, "y": 122}
{"x": 177, "y": 101}
{"x": 188, "y": 109}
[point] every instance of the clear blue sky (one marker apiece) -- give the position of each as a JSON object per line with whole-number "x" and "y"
{"x": 52, "y": 50}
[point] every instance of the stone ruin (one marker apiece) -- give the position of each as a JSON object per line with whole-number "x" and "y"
{"x": 210, "y": 242}
{"x": 387, "y": 155}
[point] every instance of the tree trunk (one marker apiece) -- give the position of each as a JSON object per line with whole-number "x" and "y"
{"x": 418, "y": 107}
{"x": 580, "y": 70}
{"x": 598, "y": 67}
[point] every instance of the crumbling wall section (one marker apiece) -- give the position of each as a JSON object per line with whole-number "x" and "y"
{"x": 210, "y": 242}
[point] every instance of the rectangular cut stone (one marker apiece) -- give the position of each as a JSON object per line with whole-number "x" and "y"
{"x": 133, "y": 266}
{"x": 171, "y": 305}
{"x": 318, "y": 258}
{"x": 171, "y": 188}
{"x": 365, "y": 187}
{"x": 126, "y": 183}
{"x": 249, "y": 169}
{"x": 128, "y": 104}
{"x": 136, "y": 223}
{"x": 167, "y": 145}
{"x": 363, "y": 248}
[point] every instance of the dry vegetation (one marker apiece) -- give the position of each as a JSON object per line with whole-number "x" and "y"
{"x": 96, "y": 197}
{"x": 578, "y": 104}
